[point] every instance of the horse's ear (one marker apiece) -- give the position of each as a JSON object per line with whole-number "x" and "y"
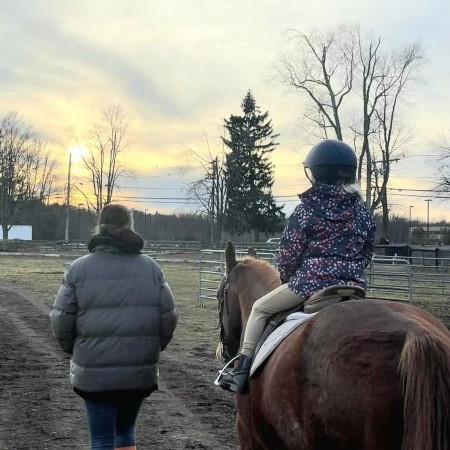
{"x": 230, "y": 256}
{"x": 252, "y": 252}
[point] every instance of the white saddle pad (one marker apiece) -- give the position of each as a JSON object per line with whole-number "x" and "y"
{"x": 292, "y": 321}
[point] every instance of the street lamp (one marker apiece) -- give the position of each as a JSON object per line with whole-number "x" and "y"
{"x": 77, "y": 151}
{"x": 410, "y": 230}
{"x": 428, "y": 218}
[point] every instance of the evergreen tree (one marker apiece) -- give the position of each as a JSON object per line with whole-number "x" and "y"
{"x": 249, "y": 172}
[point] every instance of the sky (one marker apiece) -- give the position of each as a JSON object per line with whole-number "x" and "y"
{"x": 179, "y": 67}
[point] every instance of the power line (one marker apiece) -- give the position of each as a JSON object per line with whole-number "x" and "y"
{"x": 438, "y": 197}
{"x": 412, "y": 190}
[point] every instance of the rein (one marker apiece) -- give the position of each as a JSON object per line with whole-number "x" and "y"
{"x": 225, "y": 357}
{"x": 222, "y": 297}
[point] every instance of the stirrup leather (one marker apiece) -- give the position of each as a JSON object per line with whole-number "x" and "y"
{"x": 236, "y": 379}
{"x": 224, "y": 369}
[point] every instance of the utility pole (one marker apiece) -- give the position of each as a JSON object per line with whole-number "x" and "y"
{"x": 66, "y": 234}
{"x": 371, "y": 167}
{"x": 78, "y": 220}
{"x": 428, "y": 219}
{"x": 410, "y": 231}
{"x": 145, "y": 222}
{"x": 368, "y": 177}
{"x": 213, "y": 198}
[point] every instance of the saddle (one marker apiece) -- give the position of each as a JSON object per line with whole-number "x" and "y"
{"x": 315, "y": 303}
{"x": 331, "y": 295}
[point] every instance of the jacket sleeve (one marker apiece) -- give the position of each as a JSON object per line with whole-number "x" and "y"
{"x": 169, "y": 314}
{"x": 368, "y": 249}
{"x": 292, "y": 246}
{"x": 64, "y": 315}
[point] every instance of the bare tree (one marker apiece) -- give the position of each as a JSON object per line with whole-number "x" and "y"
{"x": 321, "y": 66}
{"x": 343, "y": 70}
{"x": 107, "y": 140}
{"x": 26, "y": 169}
{"x": 39, "y": 167}
{"x": 441, "y": 146}
{"x": 209, "y": 192}
{"x": 383, "y": 78}
{"x": 392, "y": 136}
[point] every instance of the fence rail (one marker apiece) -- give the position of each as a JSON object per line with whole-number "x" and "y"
{"x": 211, "y": 269}
{"x": 413, "y": 274}
{"x": 388, "y": 277}
{"x": 74, "y": 247}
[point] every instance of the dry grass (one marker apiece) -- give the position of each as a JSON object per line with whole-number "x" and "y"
{"x": 197, "y": 329}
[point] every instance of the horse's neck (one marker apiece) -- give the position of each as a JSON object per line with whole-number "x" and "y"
{"x": 249, "y": 297}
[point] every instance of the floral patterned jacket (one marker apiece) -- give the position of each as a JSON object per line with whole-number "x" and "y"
{"x": 328, "y": 240}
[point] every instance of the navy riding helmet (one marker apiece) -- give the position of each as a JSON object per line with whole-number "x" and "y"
{"x": 332, "y": 162}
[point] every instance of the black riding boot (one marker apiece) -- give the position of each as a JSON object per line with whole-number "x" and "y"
{"x": 236, "y": 379}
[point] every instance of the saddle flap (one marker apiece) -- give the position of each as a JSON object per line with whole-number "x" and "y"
{"x": 277, "y": 336}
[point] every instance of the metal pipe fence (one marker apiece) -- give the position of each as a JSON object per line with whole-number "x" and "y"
{"x": 211, "y": 269}
{"x": 418, "y": 275}
{"x": 412, "y": 279}
{"x": 14, "y": 246}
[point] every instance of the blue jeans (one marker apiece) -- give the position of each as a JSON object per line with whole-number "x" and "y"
{"x": 111, "y": 424}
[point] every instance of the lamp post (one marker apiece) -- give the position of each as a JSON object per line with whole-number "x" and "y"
{"x": 66, "y": 234}
{"x": 410, "y": 230}
{"x": 428, "y": 218}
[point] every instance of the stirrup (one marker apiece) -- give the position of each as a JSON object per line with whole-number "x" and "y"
{"x": 225, "y": 367}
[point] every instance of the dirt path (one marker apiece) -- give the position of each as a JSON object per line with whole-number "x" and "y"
{"x": 38, "y": 409}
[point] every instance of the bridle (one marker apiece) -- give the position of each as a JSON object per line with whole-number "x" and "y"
{"x": 225, "y": 356}
{"x": 222, "y": 297}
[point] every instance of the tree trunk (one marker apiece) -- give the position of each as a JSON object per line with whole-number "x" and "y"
{"x": 5, "y": 229}
{"x": 385, "y": 217}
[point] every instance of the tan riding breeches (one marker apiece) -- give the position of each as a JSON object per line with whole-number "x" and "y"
{"x": 280, "y": 299}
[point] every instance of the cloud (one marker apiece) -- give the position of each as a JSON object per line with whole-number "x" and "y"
{"x": 181, "y": 66}
{"x": 67, "y": 55}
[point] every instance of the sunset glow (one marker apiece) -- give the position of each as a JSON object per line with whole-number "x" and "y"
{"x": 178, "y": 70}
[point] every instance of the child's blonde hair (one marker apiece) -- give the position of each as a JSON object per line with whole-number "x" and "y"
{"x": 353, "y": 188}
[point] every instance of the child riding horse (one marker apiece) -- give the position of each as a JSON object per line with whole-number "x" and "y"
{"x": 328, "y": 241}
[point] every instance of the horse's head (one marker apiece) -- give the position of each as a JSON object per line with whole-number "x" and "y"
{"x": 244, "y": 282}
{"x": 230, "y": 317}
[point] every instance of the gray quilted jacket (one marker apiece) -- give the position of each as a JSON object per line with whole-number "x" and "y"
{"x": 115, "y": 312}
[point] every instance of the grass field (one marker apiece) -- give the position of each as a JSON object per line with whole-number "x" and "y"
{"x": 197, "y": 328}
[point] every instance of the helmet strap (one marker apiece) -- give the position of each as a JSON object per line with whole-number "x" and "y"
{"x": 310, "y": 178}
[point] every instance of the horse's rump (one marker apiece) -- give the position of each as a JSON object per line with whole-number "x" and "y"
{"x": 360, "y": 375}
{"x": 343, "y": 381}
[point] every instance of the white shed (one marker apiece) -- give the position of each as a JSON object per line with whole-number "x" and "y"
{"x": 24, "y": 232}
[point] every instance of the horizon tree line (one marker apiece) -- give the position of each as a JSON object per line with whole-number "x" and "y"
{"x": 355, "y": 89}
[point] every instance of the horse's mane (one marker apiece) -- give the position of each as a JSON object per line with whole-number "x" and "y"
{"x": 262, "y": 273}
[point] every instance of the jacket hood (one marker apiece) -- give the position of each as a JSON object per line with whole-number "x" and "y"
{"x": 330, "y": 202}
{"x": 122, "y": 239}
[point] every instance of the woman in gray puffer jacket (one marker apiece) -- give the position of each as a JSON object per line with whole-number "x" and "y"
{"x": 114, "y": 313}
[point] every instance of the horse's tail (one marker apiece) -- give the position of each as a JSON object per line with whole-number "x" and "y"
{"x": 425, "y": 371}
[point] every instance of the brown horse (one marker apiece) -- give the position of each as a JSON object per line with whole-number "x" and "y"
{"x": 359, "y": 375}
